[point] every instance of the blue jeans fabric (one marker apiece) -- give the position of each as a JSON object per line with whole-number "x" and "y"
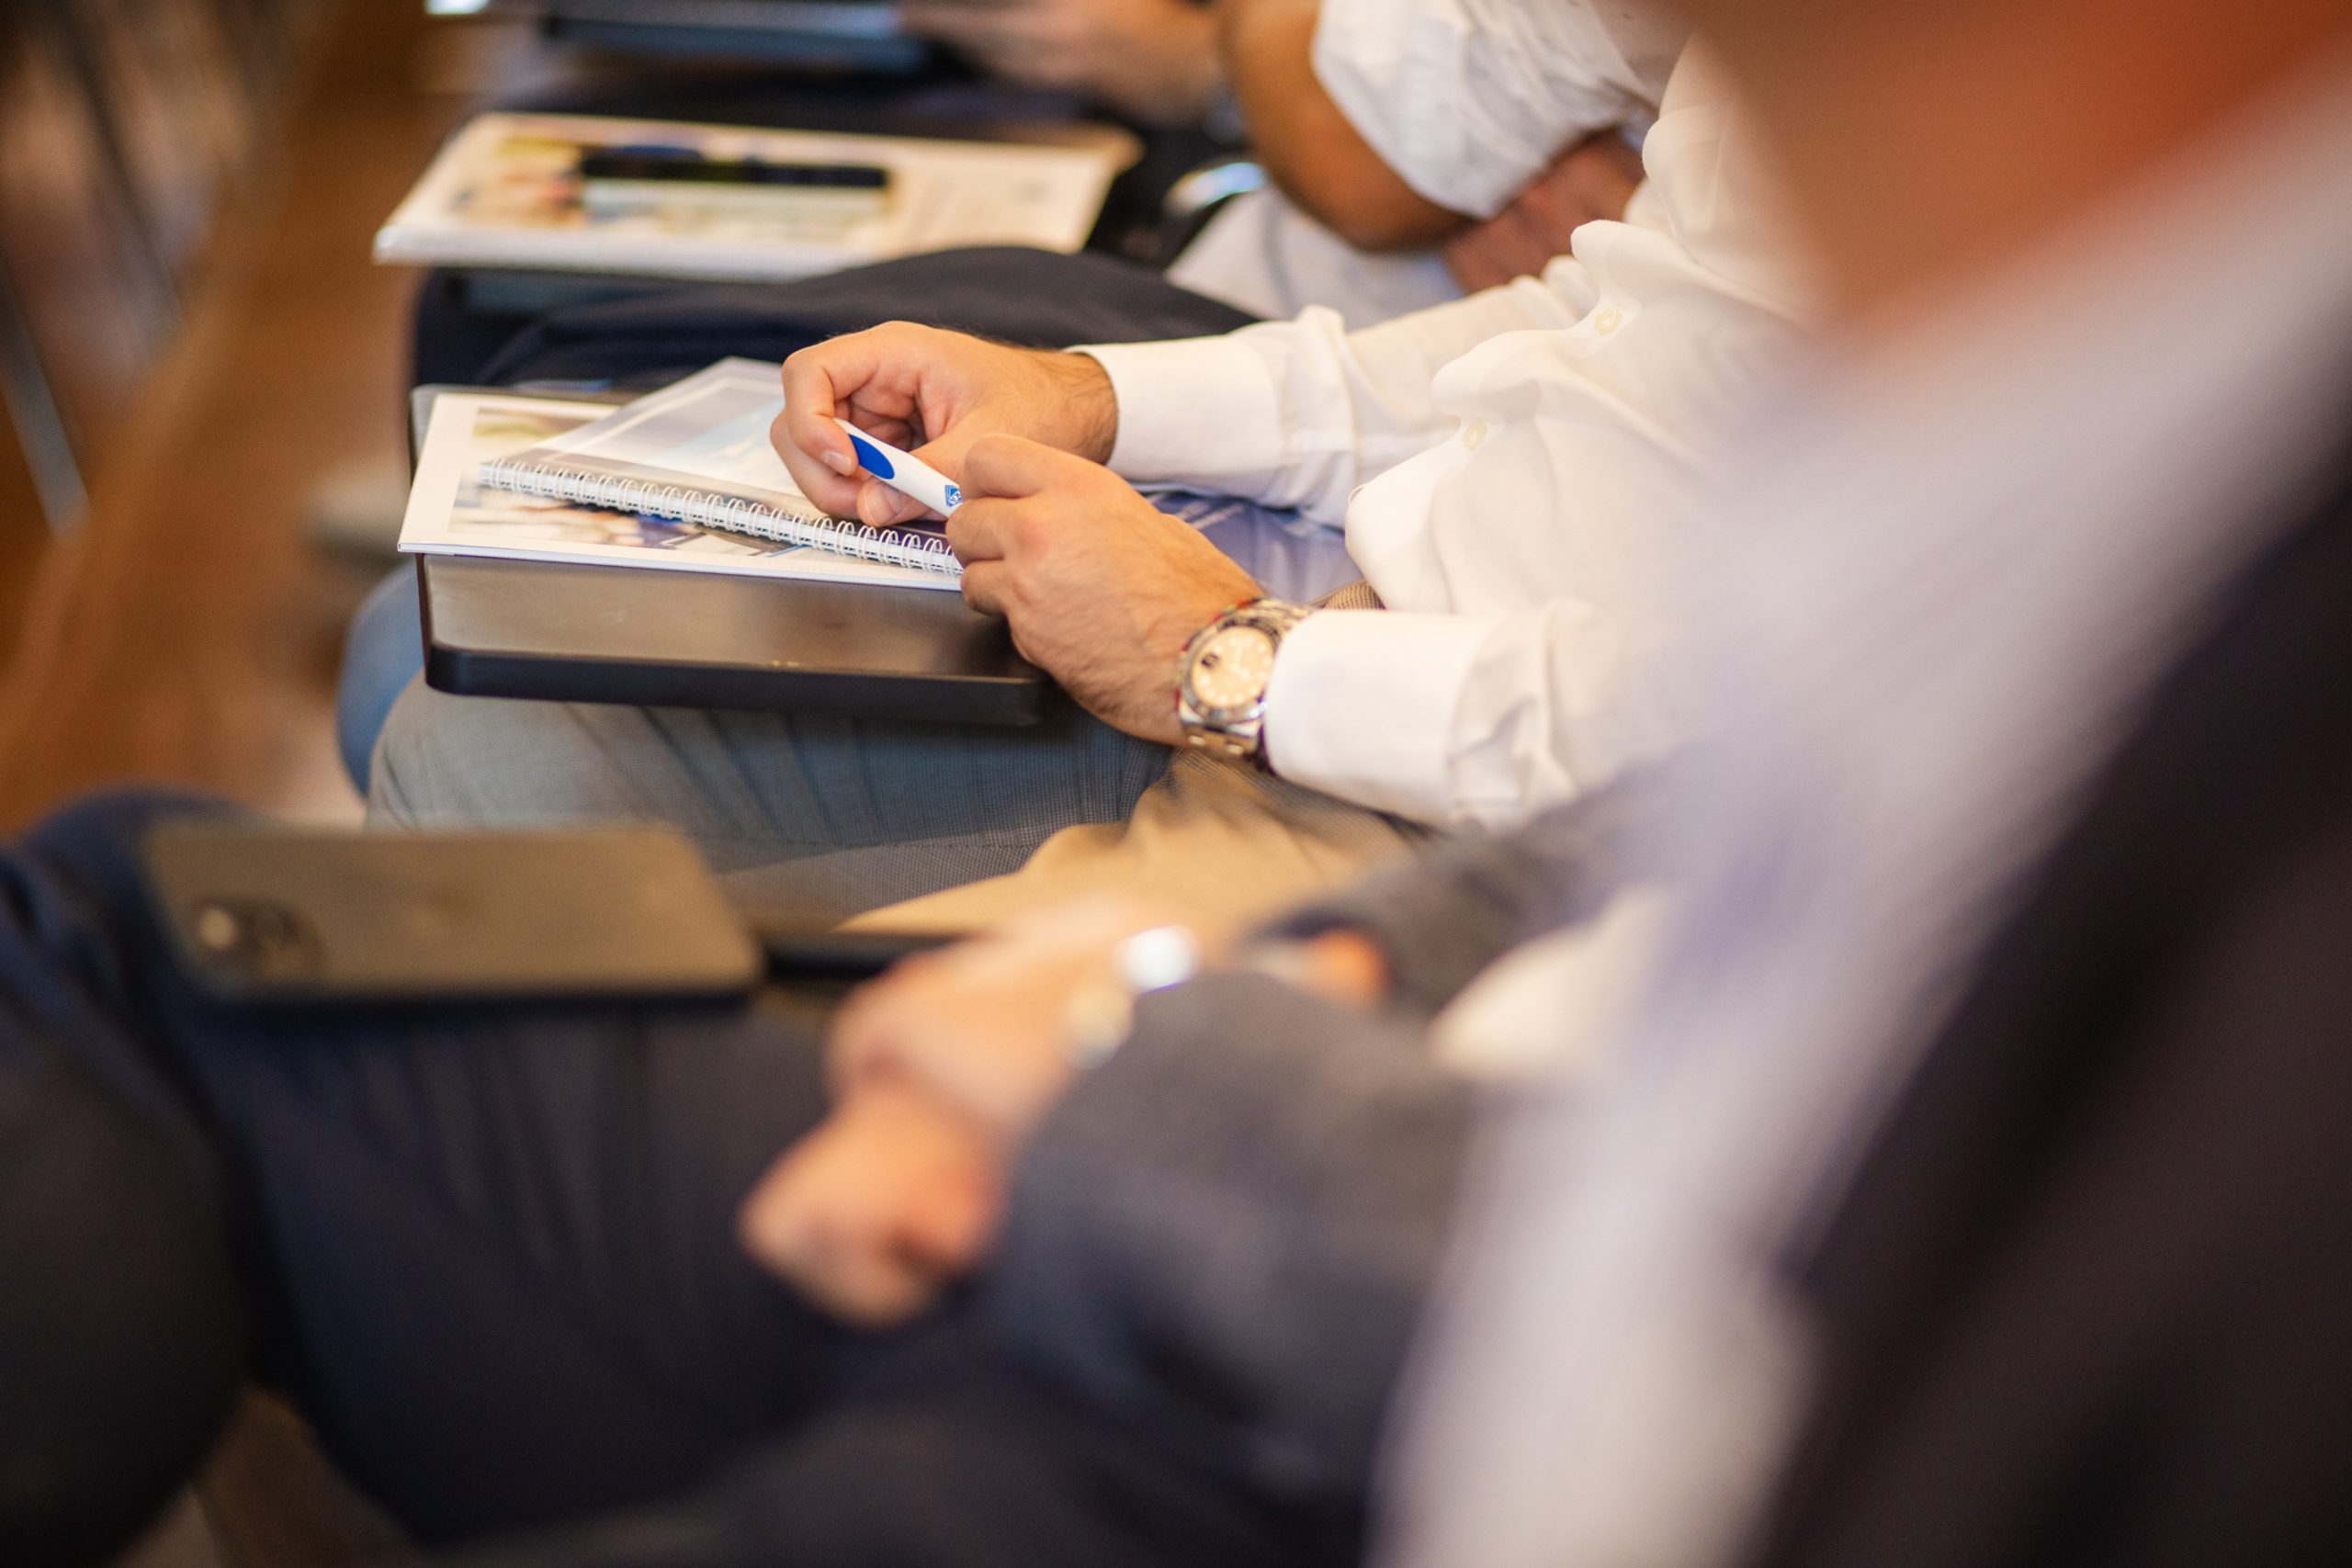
{"x": 382, "y": 652}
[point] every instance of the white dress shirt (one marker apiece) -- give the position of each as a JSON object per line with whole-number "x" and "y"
{"x": 1944, "y": 587}
{"x": 1511, "y": 469}
{"x": 1466, "y": 100}
{"x": 1262, "y": 255}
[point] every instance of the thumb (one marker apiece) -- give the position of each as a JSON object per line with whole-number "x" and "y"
{"x": 879, "y": 506}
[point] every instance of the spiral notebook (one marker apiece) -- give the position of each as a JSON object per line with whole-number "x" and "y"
{"x": 700, "y": 453}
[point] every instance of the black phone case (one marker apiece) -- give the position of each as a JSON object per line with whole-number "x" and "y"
{"x": 264, "y": 915}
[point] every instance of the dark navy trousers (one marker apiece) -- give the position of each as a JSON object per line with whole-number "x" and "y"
{"x": 489, "y": 1253}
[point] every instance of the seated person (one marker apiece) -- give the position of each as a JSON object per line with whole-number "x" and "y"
{"x": 1511, "y": 469}
{"x": 1023, "y": 297}
{"x": 1384, "y": 203}
{"x": 1418, "y": 153}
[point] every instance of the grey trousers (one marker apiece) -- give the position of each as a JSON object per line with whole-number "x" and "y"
{"x": 826, "y": 816}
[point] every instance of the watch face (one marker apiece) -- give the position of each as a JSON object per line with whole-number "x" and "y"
{"x": 1232, "y": 670}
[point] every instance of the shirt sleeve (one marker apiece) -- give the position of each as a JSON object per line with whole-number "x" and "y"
{"x": 1468, "y": 100}
{"x": 1469, "y": 720}
{"x": 1300, "y": 413}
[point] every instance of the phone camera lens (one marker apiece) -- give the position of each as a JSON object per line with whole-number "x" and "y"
{"x": 257, "y": 941}
{"x": 218, "y": 930}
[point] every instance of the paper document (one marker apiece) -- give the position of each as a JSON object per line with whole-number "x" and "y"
{"x": 507, "y": 193}
{"x": 700, "y": 452}
{"x": 450, "y": 512}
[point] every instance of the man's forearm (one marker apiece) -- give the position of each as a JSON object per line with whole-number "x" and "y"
{"x": 1303, "y": 141}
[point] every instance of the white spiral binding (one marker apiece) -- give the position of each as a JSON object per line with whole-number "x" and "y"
{"x": 680, "y": 503}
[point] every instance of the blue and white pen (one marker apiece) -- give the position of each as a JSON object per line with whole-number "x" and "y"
{"x": 902, "y": 471}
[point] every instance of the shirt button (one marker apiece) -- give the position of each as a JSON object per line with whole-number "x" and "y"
{"x": 1474, "y": 434}
{"x": 1610, "y": 319}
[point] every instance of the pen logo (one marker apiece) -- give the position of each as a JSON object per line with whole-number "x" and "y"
{"x": 954, "y": 496}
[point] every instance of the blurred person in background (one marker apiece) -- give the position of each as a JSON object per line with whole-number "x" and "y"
{"x": 1358, "y": 112}
{"x": 1420, "y": 151}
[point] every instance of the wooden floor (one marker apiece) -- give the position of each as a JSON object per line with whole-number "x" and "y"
{"x": 189, "y": 632}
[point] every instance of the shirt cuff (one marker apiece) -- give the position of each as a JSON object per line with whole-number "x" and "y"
{"x": 1362, "y": 706}
{"x": 1192, "y": 410}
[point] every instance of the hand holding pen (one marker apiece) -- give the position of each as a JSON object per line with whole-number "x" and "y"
{"x": 929, "y": 394}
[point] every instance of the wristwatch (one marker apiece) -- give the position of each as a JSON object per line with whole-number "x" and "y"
{"x": 1221, "y": 679}
{"x": 1100, "y": 1013}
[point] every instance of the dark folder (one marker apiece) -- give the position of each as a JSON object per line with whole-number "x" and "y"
{"x": 599, "y": 634}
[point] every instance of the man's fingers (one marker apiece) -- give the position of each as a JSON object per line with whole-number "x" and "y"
{"x": 1470, "y": 260}
{"x": 879, "y": 506}
{"x": 882, "y": 507}
{"x": 821, "y": 1221}
{"x": 858, "y": 1276}
{"x": 877, "y": 1208}
{"x": 831, "y": 491}
{"x": 878, "y": 1029}
{"x": 1611, "y": 166}
{"x": 875, "y": 1289}
{"x": 1497, "y": 251}
{"x": 1591, "y": 182}
{"x": 981, "y": 530}
{"x": 1524, "y": 247}
{"x": 817, "y": 384}
{"x": 896, "y": 427}
{"x": 985, "y": 586}
{"x": 1012, "y": 467}
{"x": 982, "y": 535}
{"x": 870, "y": 377}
